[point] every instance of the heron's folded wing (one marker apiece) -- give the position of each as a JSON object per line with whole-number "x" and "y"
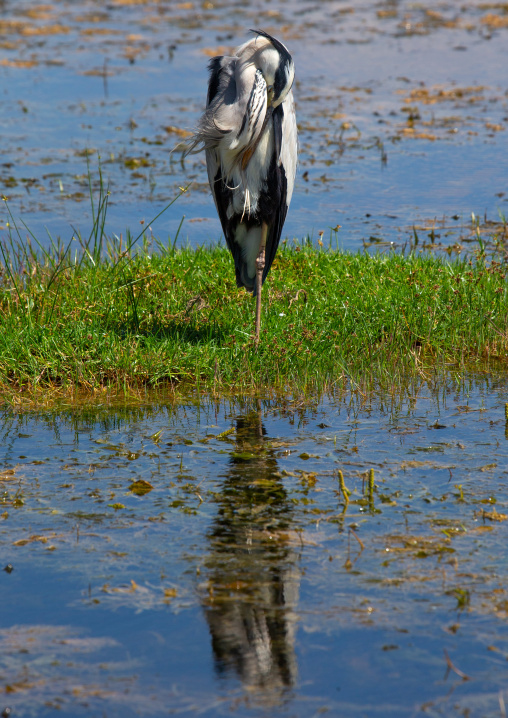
{"x": 282, "y": 170}
{"x": 223, "y": 198}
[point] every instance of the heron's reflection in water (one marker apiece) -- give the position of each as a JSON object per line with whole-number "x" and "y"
{"x": 252, "y": 569}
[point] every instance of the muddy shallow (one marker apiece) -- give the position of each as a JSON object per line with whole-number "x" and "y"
{"x": 203, "y": 559}
{"x": 402, "y": 111}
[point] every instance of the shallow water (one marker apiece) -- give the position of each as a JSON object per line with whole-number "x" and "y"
{"x": 402, "y": 110}
{"x": 202, "y": 560}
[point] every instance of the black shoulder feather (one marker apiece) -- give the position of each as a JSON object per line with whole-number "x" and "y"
{"x": 214, "y": 68}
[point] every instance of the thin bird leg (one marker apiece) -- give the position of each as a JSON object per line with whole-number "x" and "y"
{"x": 260, "y": 265}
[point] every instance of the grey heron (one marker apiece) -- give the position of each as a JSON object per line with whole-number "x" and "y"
{"x": 248, "y": 131}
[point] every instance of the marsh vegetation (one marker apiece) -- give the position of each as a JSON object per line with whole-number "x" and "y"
{"x": 105, "y": 314}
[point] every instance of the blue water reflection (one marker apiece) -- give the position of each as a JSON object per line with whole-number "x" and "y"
{"x": 202, "y": 558}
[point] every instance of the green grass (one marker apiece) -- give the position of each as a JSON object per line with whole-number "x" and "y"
{"x": 99, "y": 314}
{"x": 175, "y": 317}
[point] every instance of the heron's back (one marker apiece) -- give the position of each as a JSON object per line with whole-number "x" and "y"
{"x": 251, "y": 183}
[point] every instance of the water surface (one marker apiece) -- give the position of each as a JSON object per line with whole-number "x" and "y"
{"x": 402, "y": 109}
{"x": 201, "y": 559}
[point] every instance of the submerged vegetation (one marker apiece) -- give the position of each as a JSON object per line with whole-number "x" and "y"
{"x": 102, "y": 313}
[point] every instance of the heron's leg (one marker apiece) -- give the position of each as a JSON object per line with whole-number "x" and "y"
{"x": 260, "y": 265}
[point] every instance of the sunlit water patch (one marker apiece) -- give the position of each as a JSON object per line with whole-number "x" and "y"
{"x": 402, "y": 111}
{"x": 258, "y": 557}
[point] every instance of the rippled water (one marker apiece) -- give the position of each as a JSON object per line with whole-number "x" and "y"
{"x": 202, "y": 559}
{"x": 402, "y": 110}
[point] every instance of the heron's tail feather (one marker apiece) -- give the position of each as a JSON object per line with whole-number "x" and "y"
{"x": 243, "y": 279}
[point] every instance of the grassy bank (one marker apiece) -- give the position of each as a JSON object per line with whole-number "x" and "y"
{"x": 105, "y": 318}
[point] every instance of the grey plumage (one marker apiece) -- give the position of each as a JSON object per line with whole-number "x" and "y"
{"x": 248, "y": 131}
